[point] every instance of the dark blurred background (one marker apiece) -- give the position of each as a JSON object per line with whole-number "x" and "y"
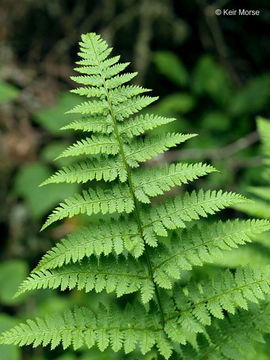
{"x": 211, "y": 72}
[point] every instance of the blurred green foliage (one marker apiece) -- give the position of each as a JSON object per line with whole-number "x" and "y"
{"x": 40, "y": 199}
{"x": 7, "y": 92}
{"x": 219, "y": 106}
{"x": 54, "y": 118}
{"x": 12, "y": 273}
{"x": 8, "y": 352}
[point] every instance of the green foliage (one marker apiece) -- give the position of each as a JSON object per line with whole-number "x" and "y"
{"x": 12, "y": 273}
{"x": 211, "y": 79}
{"x": 53, "y": 118}
{"x": 171, "y": 66}
{"x": 142, "y": 245}
{"x": 223, "y": 113}
{"x": 7, "y": 92}
{"x": 253, "y": 97}
{"x": 233, "y": 338}
{"x": 38, "y": 199}
{"x": 260, "y": 195}
{"x": 177, "y": 103}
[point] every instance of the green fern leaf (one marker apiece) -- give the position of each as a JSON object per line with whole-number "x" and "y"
{"x": 132, "y": 106}
{"x": 224, "y": 291}
{"x": 137, "y": 251}
{"x": 123, "y": 93}
{"x": 94, "y": 145}
{"x": 176, "y": 212}
{"x": 140, "y": 151}
{"x": 123, "y": 277}
{"x": 82, "y": 327}
{"x": 97, "y": 124}
{"x": 96, "y": 239}
{"x": 93, "y": 202}
{"x": 153, "y": 182}
{"x": 120, "y": 80}
{"x": 142, "y": 123}
{"x": 90, "y": 107}
{"x": 233, "y": 337}
{"x": 261, "y": 192}
{"x": 89, "y": 91}
{"x": 99, "y": 169}
{"x": 198, "y": 245}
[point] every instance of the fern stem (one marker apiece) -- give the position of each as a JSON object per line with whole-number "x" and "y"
{"x": 136, "y": 206}
{"x": 132, "y": 192}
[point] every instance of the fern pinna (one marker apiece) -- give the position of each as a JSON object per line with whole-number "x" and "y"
{"x": 149, "y": 248}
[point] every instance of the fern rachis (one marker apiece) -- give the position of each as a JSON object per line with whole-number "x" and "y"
{"x": 149, "y": 248}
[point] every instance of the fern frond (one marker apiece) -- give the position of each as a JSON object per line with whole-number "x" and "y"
{"x": 95, "y": 239}
{"x": 233, "y": 337}
{"x": 122, "y": 277}
{"x": 175, "y": 212}
{"x": 142, "y": 123}
{"x": 224, "y": 292}
{"x": 100, "y": 169}
{"x": 92, "y": 146}
{"x": 202, "y": 244}
{"x": 81, "y": 327}
{"x": 118, "y": 199}
{"x": 142, "y": 150}
{"x": 107, "y": 255}
{"x": 155, "y": 181}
